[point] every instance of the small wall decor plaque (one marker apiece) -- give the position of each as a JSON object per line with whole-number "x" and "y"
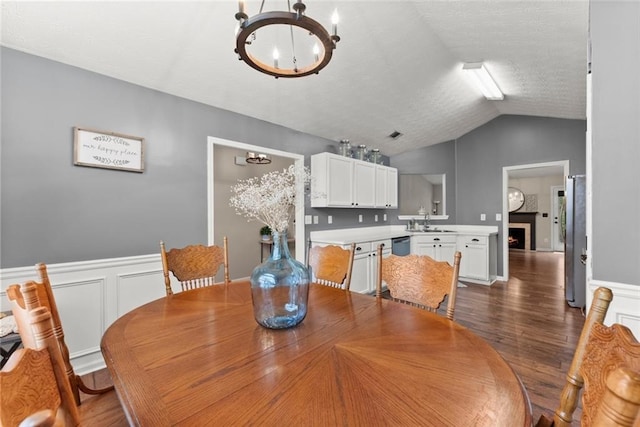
{"x": 110, "y": 150}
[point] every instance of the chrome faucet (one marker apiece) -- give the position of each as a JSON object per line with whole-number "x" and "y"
{"x": 427, "y": 222}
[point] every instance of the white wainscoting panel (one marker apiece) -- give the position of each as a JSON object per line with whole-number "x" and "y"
{"x": 90, "y": 296}
{"x": 625, "y": 306}
{"x": 136, "y": 289}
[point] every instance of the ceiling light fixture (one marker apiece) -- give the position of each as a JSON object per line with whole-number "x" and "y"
{"x": 258, "y": 159}
{"x": 478, "y": 73}
{"x": 311, "y": 44}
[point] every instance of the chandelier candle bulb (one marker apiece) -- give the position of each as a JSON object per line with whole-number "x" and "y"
{"x": 276, "y": 56}
{"x": 335, "y": 19}
{"x": 316, "y": 52}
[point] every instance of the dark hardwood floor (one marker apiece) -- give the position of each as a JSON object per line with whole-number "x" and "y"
{"x": 529, "y": 323}
{"x": 525, "y": 319}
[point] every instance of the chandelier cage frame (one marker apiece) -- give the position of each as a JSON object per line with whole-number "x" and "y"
{"x": 249, "y": 25}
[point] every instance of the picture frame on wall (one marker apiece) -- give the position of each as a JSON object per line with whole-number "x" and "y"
{"x": 108, "y": 150}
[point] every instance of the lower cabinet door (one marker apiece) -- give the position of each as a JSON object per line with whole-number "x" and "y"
{"x": 446, "y": 252}
{"x": 474, "y": 263}
{"x": 360, "y": 274}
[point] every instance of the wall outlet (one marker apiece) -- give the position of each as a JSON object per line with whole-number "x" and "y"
{"x": 359, "y": 218}
{"x": 315, "y": 219}
{"x": 384, "y": 217}
{"x": 483, "y": 217}
{"x": 498, "y": 217}
{"x": 375, "y": 218}
{"x": 307, "y": 219}
{"x": 330, "y": 219}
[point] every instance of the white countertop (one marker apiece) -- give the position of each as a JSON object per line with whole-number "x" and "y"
{"x": 346, "y": 236}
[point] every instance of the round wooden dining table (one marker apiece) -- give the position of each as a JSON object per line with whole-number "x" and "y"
{"x": 199, "y": 358}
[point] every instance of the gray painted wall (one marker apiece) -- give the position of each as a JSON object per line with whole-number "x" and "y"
{"x": 476, "y": 160}
{"x": 52, "y": 211}
{"x": 615, "y": 126}
{"x": 435, "y": 159}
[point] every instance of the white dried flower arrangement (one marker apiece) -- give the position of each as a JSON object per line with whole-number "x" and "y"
{"x": 270, "y": 198}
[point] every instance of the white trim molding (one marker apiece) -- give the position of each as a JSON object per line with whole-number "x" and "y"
{"x": 625, "y": 306}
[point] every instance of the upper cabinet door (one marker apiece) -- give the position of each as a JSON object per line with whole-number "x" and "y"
{"x": 364, "y": 184}
{"x": 386, "y": 187}
{"x": 331, "y": 180}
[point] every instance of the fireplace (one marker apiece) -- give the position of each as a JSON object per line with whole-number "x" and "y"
{"x": 517, "y": 238}
{"x": 522, "y": 230}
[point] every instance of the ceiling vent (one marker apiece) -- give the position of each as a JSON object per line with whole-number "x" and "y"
{"x": 395, "y": 134}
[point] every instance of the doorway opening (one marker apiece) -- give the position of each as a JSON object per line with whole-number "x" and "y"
{"x": 298, "y": 232}
{"x": 531, "y": 175}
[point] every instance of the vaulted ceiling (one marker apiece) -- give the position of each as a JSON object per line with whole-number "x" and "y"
{"x": 397, "y": 66}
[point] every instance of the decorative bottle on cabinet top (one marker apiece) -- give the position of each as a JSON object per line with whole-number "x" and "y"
{"x": 280, "y": 287}
{"x": 344, "y": 149}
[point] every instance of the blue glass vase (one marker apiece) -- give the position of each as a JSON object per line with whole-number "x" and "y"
{"x": 280, "y": 287}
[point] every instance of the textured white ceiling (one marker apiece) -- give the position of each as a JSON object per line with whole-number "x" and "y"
{"x": 397, "y": 67}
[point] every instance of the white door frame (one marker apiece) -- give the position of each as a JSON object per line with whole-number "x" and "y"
{"x": 299, "y": 208}
{"x": 505, "y": 206}
{"x": 555, "y": 225}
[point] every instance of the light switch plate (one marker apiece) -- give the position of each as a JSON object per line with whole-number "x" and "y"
{"x": 307, "y": 219}
{"x": 483, "y": 217}
{"x": 498, "y": 217}
{"x": 384, "y": 217}
{"x": 375, "y": 218}
{"x": 315, "y": 219}
{"x": 359, "y": 218}
{"x": 330, "y": 219}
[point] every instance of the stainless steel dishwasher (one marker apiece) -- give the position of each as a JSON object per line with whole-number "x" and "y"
{"x": 401, "y": 246}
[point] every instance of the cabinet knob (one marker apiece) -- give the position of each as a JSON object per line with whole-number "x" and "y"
{"x": 358, "y": 248}
{"x": 475, "y": 240}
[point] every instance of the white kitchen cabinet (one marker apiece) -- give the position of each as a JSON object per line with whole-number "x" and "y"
{"x": 386, "y": 187}
{"x": 365, "y": 265}
{"x": 479, "y": 258}
{"x": 341, "y": 182}
{"x": 364, "y": 189}
{"x": 361, "y": 271}
{"x": 439, "y": 246}
{"x": 332, "y": 180}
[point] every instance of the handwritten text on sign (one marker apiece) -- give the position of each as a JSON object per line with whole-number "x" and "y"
{"x": 108, "y": 150}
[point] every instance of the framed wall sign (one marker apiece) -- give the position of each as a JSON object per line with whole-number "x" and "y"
{"x": 110, "y": 150}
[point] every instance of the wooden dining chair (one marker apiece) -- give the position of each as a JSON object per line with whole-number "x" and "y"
{"x": 600, "y": 351}
{"x": 195, "y": 266}
{"x": 419, "y": 280}
{"x": 35, "y": 380}
{"x": 331, "y": 265}
{"x": 104, "y": 408}
{"x": 42, "y": 296}
{"x": 620, "y": 404}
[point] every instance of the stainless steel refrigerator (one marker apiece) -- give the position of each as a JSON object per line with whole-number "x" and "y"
{"x": 575, "y": 242}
